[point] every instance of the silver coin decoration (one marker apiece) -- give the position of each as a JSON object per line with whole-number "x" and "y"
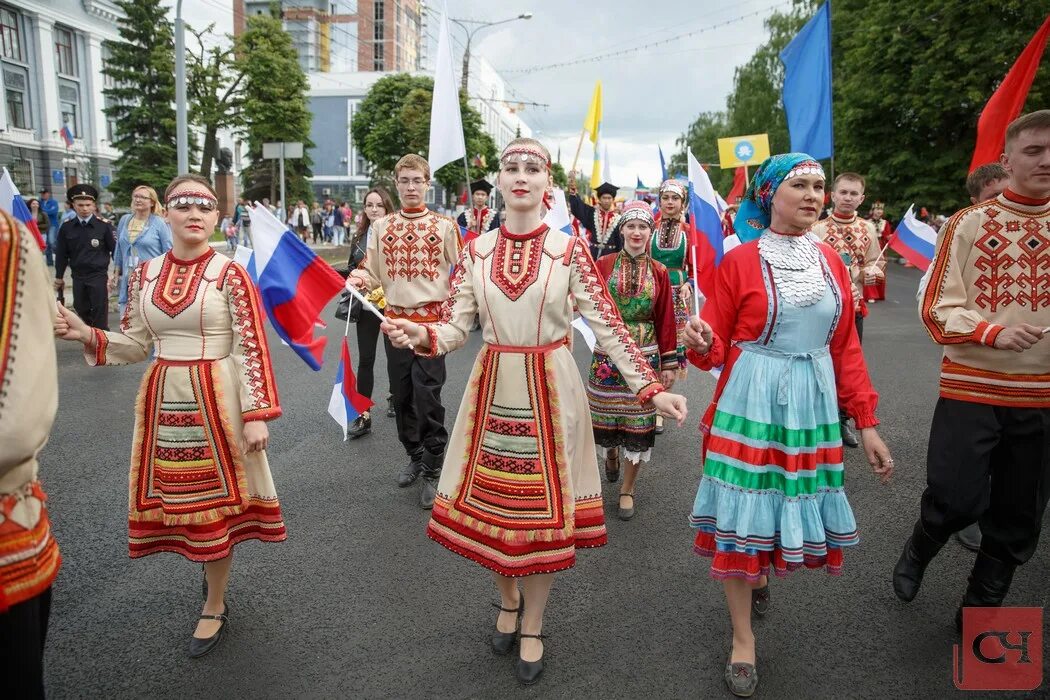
{"x": 797, "y": 271}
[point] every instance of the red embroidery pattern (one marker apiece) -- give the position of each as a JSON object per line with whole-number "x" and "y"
{"x": 516, "y": 263}
{"x": 995, "y": 262}
{"x": 455, "y": 282}
{"x": 178, "y": 283}
{"x": 852, "y": 238}
{"x": 134, "y": 287}
{"x": 244, "y": 306}
{"x": 1034, "y": 261}
{"x": 596, "y": 291}
{"x": 412, "y": 248}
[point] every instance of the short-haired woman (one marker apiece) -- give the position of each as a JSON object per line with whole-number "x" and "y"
{"x": 200, "y": 481}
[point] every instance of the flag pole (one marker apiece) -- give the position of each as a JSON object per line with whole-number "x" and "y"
{"x": 579, "y": 146}
{"x": 466, "y": 171}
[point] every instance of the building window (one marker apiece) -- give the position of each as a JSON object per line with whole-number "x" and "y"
{"x": 16, "y": 97}
{"x": 378, "y": 35}
{"x": 69, "y": 106}
{"x": 65, "y": 51}
{"x": 10, "y": 35}
{"x": 71, "y": 176}
{"x": 22, "y": 174}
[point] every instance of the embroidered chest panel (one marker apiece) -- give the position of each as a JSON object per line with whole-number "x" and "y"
{"x": 852, "y": 239}
{"x": 412, "y": 248}
{"x": 516, "y": 264}
{"x": 1012, "y": 259}
{"x": 604, "y": 223}
{"x": 480, "y": 220}
{"x": 178, "y": 284}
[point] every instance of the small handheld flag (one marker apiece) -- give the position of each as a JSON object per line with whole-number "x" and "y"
{"x": 346, "y": 404}
{"x": 914, "y": 240}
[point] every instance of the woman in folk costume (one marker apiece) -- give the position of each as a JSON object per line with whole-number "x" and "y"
{"x": 520, "y": 491}
{"x": 670, "y": 248}
{"x": 781, "y": 326}
{"x": 642, "y": 291}
{"x": 200, "y": 482}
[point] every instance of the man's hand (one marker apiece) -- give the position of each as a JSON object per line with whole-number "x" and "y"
{"x": 1018, "y": 338}
{"x": 572, "y": 182}
{"x": 60, "y": 284}
{"x": 698, "y": 335}
{"x": 355, "y": 282}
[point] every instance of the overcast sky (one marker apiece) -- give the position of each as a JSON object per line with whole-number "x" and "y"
{"x": 650, "y": 96}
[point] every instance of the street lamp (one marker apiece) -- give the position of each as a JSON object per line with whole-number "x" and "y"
{"x": 181, "y": 127}
{"x": 470, "y": 35}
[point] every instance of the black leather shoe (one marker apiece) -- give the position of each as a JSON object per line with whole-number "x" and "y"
{"x": 431, "y": 473}
{"x": 528, "y": 672}
{"x": 612, "y": 466}
{"x": 626, "y": 513}
{"x": 200, "y": 647}
{"x": 361, "y": 426}
{"x": 989, "y": 583}
{"x": 919, "y": 550}
{"x": 970, "y": 537}
{"x": 849, "y": 438}
{"x": 503, "y": 642}
{"x": 410, "y": 473}
{"x": 390, "y": 412}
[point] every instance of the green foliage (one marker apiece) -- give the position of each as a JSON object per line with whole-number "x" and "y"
{"x": 142, "y": 66}
{"x": 394, "y": 119}
{"x": 561, "y": 179}
{"x": 275, "y": 108}
{"x": 213, "y": 88}
{"x": 909, "y": 83}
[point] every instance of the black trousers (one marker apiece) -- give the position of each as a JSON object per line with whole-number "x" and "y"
{"x": 989, "y": 464}
{"x": 23, "y": 631}
{"x": 859, "y": 322}
{"x": 367, "y": 340}
{"x": 416, "y": 385}
{"x": 91, "y": 300}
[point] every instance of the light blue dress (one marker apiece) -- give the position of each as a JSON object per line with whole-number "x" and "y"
{"x": 154, "y": 241}
{"x": 772, "y": 492}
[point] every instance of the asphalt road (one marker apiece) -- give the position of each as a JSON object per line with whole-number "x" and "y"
{"x": 359, "y": 603}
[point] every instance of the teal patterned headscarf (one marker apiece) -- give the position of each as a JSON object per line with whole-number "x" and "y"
{"x": 754, "y": 213}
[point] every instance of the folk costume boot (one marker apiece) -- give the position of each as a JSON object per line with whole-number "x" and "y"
{"x": 849, "y": 437}
{"x": 361, "y": 426}
{"x": 411, "y": 471}
{"x": 989, "y": 583}
{"x": 431, "y": 473}
{"x": 919, "y": 551}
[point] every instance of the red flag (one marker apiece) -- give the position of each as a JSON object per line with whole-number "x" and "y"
{"x": 463, "y": 197}
{"x": 1006, "y": 103}
{"x": 739, "y": 185}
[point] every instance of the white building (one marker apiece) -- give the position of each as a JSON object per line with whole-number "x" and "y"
{"x": 490, "y": 97}
{"x": 51, "y": 59}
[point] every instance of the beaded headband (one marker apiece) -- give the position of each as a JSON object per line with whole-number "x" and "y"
{"x": 809, "y": 167}
{"x": 639, "y": 211}
{"x": 673, "y": 186}
{"x": 200, "y": 198}
{"x": 523, "y": 153}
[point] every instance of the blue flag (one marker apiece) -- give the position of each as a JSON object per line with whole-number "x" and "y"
{"x": 807, "y": 87}
{"x": 663, "y": 165}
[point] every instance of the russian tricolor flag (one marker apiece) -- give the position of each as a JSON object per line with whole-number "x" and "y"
{"x": 295, "y": 284}
{"x": 346, "y": 404}
{"x": 11, "y": 201}
{"x": 67, "y": 136}
{"x": 914, "y": 240}
{"x": 705, "y": 226}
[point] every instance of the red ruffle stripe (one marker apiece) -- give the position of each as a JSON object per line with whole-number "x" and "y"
{"x": 752, "y": 567}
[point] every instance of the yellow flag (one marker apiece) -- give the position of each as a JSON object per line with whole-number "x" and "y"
{"x": 593, "y": 122}
{"x": 596, "y": 169}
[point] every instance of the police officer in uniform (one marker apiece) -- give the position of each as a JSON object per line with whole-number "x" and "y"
{"x": 86, "y": 243}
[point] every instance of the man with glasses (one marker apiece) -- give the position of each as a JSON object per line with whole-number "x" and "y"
{"x": 410, "y": 254}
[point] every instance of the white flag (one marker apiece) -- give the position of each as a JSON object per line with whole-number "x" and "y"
{"x": 446, "y": 123}
{"x": 606, "y": 170}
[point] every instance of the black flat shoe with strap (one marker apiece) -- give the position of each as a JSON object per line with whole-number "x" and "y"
{"x": 528, "y": 672}
{"x": 503, "y": 642}
{"x": 200, "y": 647}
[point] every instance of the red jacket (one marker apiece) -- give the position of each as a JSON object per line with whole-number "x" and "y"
{"x": 737, "y": 313}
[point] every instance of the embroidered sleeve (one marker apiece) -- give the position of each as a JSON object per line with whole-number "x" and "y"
{"x": 874, "y": 260}
{"x": 663, "y": 319}
{"x": 133, "y": 342}
{"x": 457, "y": 313}
{"x": 852, "y": 382}
{"x": 250, "y": 351}
{"x": 945, "y": 307}
{"x": 593, "y": 301}
{"x": 453, "y": 242}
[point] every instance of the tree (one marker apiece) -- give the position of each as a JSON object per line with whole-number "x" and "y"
{"x": 214, "y": 91}
{"x": 910, "y": 82}
{"x": 558, "y": 174}
{"x": 394, "y": 119}
{"x": 275, "y": 108}
{"x": 142, "y": 67}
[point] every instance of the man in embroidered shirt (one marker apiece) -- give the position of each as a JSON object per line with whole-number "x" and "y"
{"x": 600, "y": 221}
{"x": 409, "y": 255}
{"x": 988, "y": 304}
{"x": 857, "y": 241}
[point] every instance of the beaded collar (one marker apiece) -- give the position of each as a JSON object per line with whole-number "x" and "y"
{"x": 795, "y": 261}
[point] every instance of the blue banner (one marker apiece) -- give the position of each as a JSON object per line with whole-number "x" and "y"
{"x": 807, "y": 87}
